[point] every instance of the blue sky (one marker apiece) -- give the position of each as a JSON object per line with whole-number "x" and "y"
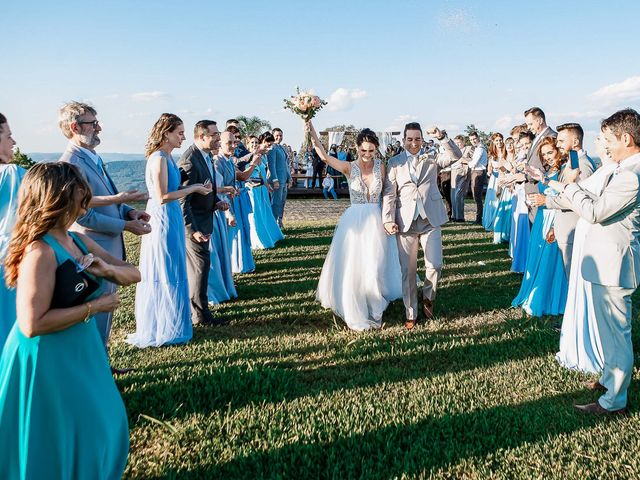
{"x": 379, "y": 63}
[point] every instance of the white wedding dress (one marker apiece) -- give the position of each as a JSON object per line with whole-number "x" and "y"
{"x": 361, "y": 273}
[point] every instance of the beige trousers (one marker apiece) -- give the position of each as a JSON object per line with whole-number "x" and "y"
{"x": 422, "y": 233}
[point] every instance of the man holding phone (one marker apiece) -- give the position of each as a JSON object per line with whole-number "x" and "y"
{"x": 569, "y": 142}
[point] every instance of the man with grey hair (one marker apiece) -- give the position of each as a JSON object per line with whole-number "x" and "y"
{"x": 108, "y": 215}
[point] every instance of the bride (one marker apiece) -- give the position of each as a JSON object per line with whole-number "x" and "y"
{"x": 361, "y": 273}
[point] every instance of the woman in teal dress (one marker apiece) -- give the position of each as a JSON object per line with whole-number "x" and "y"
{"x": 544, "y": 286}
{"x": 10, "y": 178}
{"x": 265, "y": 232}
{"x": 61, "y": 415}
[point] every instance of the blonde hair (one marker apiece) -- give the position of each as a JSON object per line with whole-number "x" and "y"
{"x": 167, "y": 122}
{"x": 70, "y": 113}
{"x": 46, "y": 196}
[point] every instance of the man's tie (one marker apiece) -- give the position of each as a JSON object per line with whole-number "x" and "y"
{"x": 207, "y": 160}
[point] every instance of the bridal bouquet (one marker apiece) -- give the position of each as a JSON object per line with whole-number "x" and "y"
{"x": 304, "y": 104}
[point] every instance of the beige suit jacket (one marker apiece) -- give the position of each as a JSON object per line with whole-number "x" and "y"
{"x": 611, "y": 254}
{"x": 401, "y": 193}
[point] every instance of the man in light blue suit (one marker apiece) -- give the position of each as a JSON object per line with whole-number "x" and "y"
{"x": 108, "y": 215}
{"x": 611, "y": 255}
{"x": 279, "y": 176}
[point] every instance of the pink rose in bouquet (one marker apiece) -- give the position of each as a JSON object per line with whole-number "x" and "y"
{"x": 304, "y": 104}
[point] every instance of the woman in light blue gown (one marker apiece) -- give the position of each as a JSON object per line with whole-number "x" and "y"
{"x": 221, "y": 287}
{"x": 361, "y": 273}
{"x": 544, "y": 287}
{"x": 163, "y": 314}
{"x": 520, "y": 230}
{"x": 240, "y": 235}
{"x": 265, "y": 232}
{"x": 491, "y": 198}
{"x": 502, "y": 223}
{"x": 61, "y": 415}
{"x": 10, "y": 178}
{"x": 520, "y": 227}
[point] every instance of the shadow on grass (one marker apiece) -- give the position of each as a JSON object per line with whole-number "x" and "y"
{"x": 415, "y": 449}
{"x": 204, "y": 389}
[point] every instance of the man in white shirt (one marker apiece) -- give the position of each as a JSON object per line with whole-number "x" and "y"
{"x": 478, "y": 169}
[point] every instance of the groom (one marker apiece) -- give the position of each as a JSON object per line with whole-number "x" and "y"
{"x": 412, "y": 208}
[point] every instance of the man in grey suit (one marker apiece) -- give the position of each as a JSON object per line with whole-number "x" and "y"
{"x": 109, "y": 215}
{"x": 279, "y": 176}
{"x": 198, "y": 211}
{"x": 570, "y": 137}
{"x": 413, "y": 209}
{"x": 537, "y": 124}
{"x": 611, "y": 255}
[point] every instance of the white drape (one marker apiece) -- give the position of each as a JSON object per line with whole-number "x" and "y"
{"x": 335, "y": 138}
{"x": 385, "y": 139}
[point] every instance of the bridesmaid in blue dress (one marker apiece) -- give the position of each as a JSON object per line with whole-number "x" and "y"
{"x": 265, "y": 232}
{"x": 521, "y": 227}
{"x": 491, "y": 199}
{"x": 239, "y": 236}
{"x": 10, "y": 178}
{"x": 502, "y": 223}
{"x": 61, "y": 415}
{"x": 221, "y": 287}
{"x": 544, "y": 287}
{"x": 162, "y": 309}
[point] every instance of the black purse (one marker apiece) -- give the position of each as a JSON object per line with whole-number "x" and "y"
{"x": 72, "y": 287}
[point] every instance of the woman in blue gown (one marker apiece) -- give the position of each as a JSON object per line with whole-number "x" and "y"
{"x": 520, "y": 227}
{"x": 162, "y": 308}
{"x": 239, "y": 236}
{"x": 61, "y": 415}
{"x": 265, "y": 232}
{"x": 491, "y": 198}
{"x": 544, "y": 287}
{"x": 221, "y": 287}
{"x": 10, "y": 178}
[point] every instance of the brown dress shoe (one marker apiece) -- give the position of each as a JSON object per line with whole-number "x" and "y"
{"x": 427, "y": 308}
{"x": 595, "y": 385}
{"x": 409, "y": 324}
{"x": 596, "y": 409}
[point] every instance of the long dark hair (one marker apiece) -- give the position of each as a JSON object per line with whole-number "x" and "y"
{"x": 47, "y": 197}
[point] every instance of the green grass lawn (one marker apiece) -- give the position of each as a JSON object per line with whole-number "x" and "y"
{"x": 286, "y": 391}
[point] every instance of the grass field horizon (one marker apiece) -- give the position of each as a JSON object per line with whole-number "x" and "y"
{"x": 287, "y": 391}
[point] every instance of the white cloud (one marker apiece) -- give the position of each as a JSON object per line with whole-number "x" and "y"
{"x": 400, "y": 121}
{"x": 625, "y": 91}
{"x": 506, "y": 121}
{"x": 458, "y": 20}
{"x": 148, "y": 96}
{"x": 342, "y": 99}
